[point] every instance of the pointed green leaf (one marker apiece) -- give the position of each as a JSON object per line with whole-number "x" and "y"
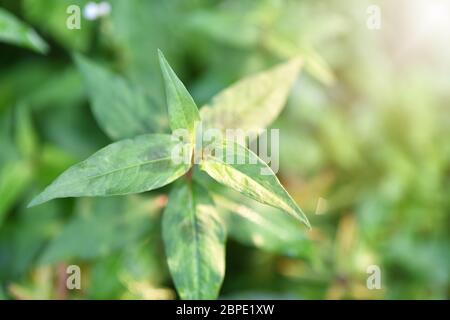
{"x": 243, "y": 173}
{"x": 122, "y": 110}
{"x": 254, "y": 102}
{"x": 13, "y": 31}
{"x": 194, "y": 238}
{"x": 183, "y": 112}
{"x": 127, "y": 166}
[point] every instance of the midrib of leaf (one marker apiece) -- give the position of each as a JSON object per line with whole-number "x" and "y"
{"x": 116, "y": 170}
{"x": 173, "y": 80}
{"x": 196, "y": 240}
{"x": 239, "y": 173}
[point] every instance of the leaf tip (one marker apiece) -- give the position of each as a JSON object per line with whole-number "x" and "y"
{"x": 39, "y": 199}
{"x": 162, "y": 58}
{"x": 33, "y": 202}
{"x": 302, "y": 217}
{"x": 306, "y": 221}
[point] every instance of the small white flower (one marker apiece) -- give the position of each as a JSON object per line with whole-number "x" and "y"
{"x": 93, "y": 11}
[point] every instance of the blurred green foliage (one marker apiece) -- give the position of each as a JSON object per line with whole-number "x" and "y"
{"x": 366, "y": 130}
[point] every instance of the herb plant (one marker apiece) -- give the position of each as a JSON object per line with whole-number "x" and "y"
{"x": 363, "y": 145}
{"x": 194, "y": 232}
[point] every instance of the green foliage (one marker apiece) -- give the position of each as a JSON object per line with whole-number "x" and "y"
{"x": 363, "y": 145}
{"x": 15, "y": 171}
{"x": 129, "y": 166}
{"x": 183, "y": 113}
{"x": 14, "y": 177}
{"x": 146, "y": 163}
{"x": 254, "y": 102}
{"x": 194, "y": 238}
{"x": 81, "y": 239}
{"x": 122, "y": 109}
{"x": 249, "y": 175}
{"x": 16, "y": 32}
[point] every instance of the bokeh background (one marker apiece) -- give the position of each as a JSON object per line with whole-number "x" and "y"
{"x": 364, "y": 144}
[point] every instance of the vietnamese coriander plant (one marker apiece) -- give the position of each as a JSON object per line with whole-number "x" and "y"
{"x": 194, "y": 232}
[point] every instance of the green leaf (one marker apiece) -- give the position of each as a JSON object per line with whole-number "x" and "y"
{"x": 254, "y": 102}
{"x": 127, "y": 166}
{"x": 194, "y": 238}
{"x": 26, "y": 138}
{"x": 15, "y": 172}
{"x": 244, "y": 174}
{"x": 122, "y": 110}
{"x": 183, "y": 112}
{"x": 255, "y": 224}
{"x": 13, "y": 31}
